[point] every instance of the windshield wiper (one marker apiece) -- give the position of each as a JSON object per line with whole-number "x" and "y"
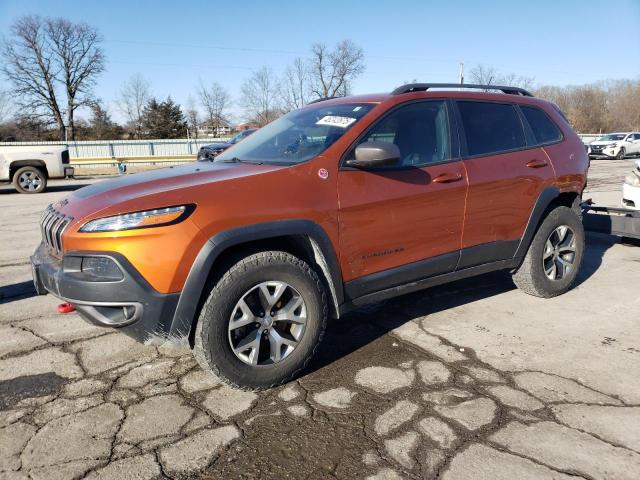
{"x": 239, "y": 160}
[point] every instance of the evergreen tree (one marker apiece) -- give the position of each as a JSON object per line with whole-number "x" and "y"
{"x": 101, "y": 127}
{"x": 163, "y": 120}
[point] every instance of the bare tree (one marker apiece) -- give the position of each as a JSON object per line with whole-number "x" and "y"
{"x": 260, "y": 96}
{"x": 513, "y": 80}
{"x": 486, "y": 75}
{"x": 623, "y": 105}
{"x": 215, "y": 100}
{"x": 5, "y": 106}
{"x": 600, "y": 107}
{"x": 483, "y": 75}
{"x": 333, "y": 71}
{"x": 30, "y": 66}
{"x": 588, "y": 109}
{"x": 133, "y": 97}
{"x": 52, "y": 58}
{"x": 558, "y": 95}
{"x": 81, "y": 59}
{"x": 193, "y": 116}
{"x": 295, "y": 90}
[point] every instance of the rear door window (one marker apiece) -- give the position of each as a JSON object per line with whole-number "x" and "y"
{"x": 491, "y": 127}
{"x": 544, "y": 130}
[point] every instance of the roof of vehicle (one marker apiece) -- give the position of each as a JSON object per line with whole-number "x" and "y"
{"x": 438, "y": 90}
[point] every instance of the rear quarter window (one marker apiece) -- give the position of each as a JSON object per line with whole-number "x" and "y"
{"x": 491, "y": 127}
{"x": 544, "y": 129}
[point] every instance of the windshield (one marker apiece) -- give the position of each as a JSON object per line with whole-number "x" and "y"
{"x": 297, "y": 136}
{"x": 240, "y": 136}
{"x": 613, "y": 136}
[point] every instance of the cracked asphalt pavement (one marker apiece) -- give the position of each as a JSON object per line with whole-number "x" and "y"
{"x": 469, "y": 380}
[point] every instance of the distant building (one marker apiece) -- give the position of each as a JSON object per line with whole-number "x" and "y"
{"x": 209, "y": 130}
{"x": 244, "y": 126}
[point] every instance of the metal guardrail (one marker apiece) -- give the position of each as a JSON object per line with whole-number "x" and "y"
{"x": 136, "y": 159}
{"x": 128, "y": 148}
{"x": 589, "y": 137}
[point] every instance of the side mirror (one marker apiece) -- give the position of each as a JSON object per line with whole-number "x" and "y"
{"x": 375, "y": 154}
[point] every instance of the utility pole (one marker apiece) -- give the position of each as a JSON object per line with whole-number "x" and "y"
{"x": 461, "y": 73}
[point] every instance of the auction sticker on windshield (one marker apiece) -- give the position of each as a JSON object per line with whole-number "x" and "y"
{"x": 334, "y": 121}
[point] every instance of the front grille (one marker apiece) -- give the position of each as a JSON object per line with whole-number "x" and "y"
{"x": 52, "y": 226}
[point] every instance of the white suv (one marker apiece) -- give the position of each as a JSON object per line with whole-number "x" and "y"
{"x": 616, "y": 145}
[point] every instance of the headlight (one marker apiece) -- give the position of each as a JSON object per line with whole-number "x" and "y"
{"x": 134, "y": 220}
{"x": 612, "y": 145}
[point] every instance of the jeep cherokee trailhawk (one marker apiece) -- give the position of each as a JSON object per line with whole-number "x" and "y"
{"x": 344, "y": 202}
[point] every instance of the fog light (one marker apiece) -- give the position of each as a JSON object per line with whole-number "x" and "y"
{"x": 101, "y": 269}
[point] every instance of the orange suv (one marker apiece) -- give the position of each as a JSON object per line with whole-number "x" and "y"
{"x": 341, "y": 203}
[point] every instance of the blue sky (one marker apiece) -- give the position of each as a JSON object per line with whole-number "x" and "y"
{"x": 175, "y": 44}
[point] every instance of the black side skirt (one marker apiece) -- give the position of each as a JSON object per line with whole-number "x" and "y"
{"x": 431, "y": 272}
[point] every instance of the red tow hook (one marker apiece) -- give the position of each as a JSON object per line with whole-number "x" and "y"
{"x": 66, "y": 308}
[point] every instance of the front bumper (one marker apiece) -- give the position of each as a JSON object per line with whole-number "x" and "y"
{"x": 129, "y": 304}
{"x": 604, "y": 152}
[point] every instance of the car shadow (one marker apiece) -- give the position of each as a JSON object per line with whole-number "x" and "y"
{"x": 366, "y": 324}
{"x": 50, "y": 189}
{"x": 597, "y": 246}
{"x": 16, "y": 291}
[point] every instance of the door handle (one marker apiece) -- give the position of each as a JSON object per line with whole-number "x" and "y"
{"x": 537, "y": 164}
{"x": 447, "y": 178}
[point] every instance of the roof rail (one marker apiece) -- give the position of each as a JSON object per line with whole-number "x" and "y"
{"x": 321, "y": 100}
{"x": 421, "y": 87}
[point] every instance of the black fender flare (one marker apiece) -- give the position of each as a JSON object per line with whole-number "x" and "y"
{"x": 545, "y": 198}
{"x": 325, "y": 256}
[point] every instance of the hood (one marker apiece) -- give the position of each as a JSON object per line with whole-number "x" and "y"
{"x": 216, "y": 146}
{"x": 604, "y": 142}
{"x": 147, "y": 189}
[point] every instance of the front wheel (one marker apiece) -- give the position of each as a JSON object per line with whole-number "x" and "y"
{"x": 262, "y": 321}
{"x": 553, "y": 260}
{"x": 621, "y": 154}
{"x": 29, "y": 180}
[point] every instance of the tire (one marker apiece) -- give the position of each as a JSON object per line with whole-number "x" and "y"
{"x": 29, "y": 180}
{"x": 214, "y": 337}
{"x": 532, "y": 275}
{"x": 621, "y": 154}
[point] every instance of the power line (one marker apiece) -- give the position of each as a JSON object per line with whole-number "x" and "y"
{"x": 297, "y": 52}
{"x": 208, "y": 47}
{"x": 190, "y": 65}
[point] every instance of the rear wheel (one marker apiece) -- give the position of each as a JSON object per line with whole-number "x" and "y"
{"x": 29, "y": 180}
{"x": 621, "y": 154}
{"x": 553, "y": 260}
{"x": 262, "y": 321}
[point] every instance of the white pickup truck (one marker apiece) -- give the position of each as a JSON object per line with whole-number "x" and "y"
{"x": 29, "y": 167}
